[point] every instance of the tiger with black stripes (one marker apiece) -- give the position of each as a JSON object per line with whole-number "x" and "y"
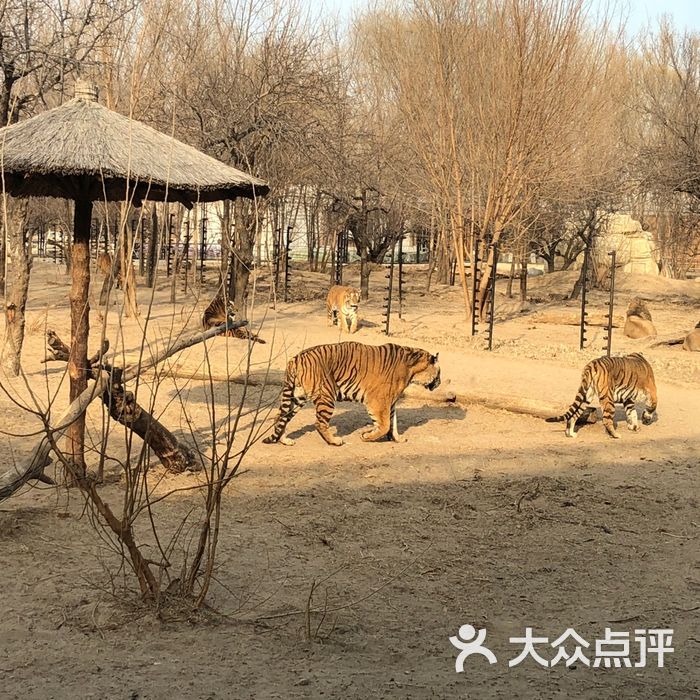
{"x": 218, "y": 311}
{"x": 342, "y": 305}
{"x": 626, "y": 380}
{"x": 373, "y": 375}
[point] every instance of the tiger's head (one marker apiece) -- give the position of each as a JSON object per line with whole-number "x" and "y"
{"x": 351, "y": 302}
{"x": 426, "y": 369}
{"x": 637, "y": 307}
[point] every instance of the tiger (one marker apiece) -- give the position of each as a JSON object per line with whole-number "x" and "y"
{"x": 373, "y": 375}
{"x": 692, "y": 340}
{"x": 624, "y": 380}
{"x": 342, "y": 305}
{"x": 105, "y": 265}
{"x": 218, "y": 312}
{"x": 638, "y": 323}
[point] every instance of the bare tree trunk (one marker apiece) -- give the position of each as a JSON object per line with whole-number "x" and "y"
{"x": 486, "y": 281}
{"x": 364, "y": 274}
{"x": 20, "y": 261}
{"x": 226, "y": 244}
{"x": 80, "y": 325}
{"x": 523, "y": 273}
{"x": 511, "y": 276}
{"x": 242, "y": 260}
{"x": 152, "y": 249}
{"x": 2, "y": 261}
{"x": 131, "y": 307}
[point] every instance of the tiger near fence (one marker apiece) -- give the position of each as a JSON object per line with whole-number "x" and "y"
{"x": 626, "y": 380}
{"x": 373, "y": 375}
{"x": 342, "y": 305}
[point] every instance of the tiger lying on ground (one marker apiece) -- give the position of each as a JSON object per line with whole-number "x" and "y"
{"x": 218, "y": 311}
{"x": 614, "y": 380}
{"x": 374, "y": 375}
{"x": 342, "y": 304}
{"x": 692, "y": 340}
{"x": 638, "y": 323}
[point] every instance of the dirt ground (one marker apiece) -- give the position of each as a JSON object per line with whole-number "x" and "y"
{"x": 484, "y": 516}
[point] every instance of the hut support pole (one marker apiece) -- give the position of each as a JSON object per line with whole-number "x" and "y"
{"x": 80, "y": 324}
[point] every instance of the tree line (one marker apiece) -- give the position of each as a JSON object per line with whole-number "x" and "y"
{"x": 516, "y": 122}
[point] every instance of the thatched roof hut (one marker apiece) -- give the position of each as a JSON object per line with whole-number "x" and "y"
{"x": 52, "y": 153}
{"x": 86, "y": 152}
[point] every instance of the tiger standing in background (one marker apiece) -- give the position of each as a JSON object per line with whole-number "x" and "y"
{"x": 105, "y": 265}
{"x": 342, "y": 304}
{"x": 218, "y": 312}
{"x": 373, "y": 375}
{"x": 624, "y": 380}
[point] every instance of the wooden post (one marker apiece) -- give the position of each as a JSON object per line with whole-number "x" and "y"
{"x": 80, "y": 324}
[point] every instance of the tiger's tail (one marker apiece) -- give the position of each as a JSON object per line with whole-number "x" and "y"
{"x": 289, "y": 405}
{"x": 579, "y": 404}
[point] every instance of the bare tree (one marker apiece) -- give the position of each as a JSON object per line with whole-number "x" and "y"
{"x": 494, "y": 98}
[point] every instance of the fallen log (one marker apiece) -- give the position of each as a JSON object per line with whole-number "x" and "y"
{"x": 508, "y": 402}
{"x": 15, "y": 477}
{"x": 676, "y": 340}
{"x": 564, "y": 318}
{"x": 174, "y": 455}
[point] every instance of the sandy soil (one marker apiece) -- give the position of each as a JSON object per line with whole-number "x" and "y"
{"x": 483, "y": 516}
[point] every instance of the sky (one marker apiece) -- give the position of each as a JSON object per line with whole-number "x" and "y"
{"x": 684, "y": 13}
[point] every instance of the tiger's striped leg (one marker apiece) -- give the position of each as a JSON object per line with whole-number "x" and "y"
{"x": 395, "y": 436}
{"x": 324, "y": 412}
{"x": 381, "y": 418}
{"x": 631, "y": 412}
{"x": 648, "y": 415}
{"x": 291, "y": 403}
{"x": 353, "y": 324}
{"x": 343, "y": 322}
{"x": 331, "y": 316}
{"x": 608, "y": 406}
{"x": 573, "y": 419}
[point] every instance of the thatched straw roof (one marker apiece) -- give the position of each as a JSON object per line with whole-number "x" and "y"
{"x": 84, "y": 150}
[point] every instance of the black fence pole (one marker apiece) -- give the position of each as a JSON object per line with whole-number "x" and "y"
{"x": 287, "y": 261}
{"x": 276, "y": 246}
{"x": 611, "y": 303}
{"x": 340, "y": 243}
{"x": 171, "y": 235}
{"x": 142, "y": 246}
{"x": 185, "y": 264}
{"x": 492, "y": 302}
{"x": 389, "y": 292}
{"x": 584, "y": 298}
{"x": 203, "y": 246}
{"x": 401, "y": 276}
{"x": 476, "y": 278}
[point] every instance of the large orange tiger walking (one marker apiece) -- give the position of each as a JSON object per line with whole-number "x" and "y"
{"x": 624, "y": 380}
{"x": 374, "y": 375}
